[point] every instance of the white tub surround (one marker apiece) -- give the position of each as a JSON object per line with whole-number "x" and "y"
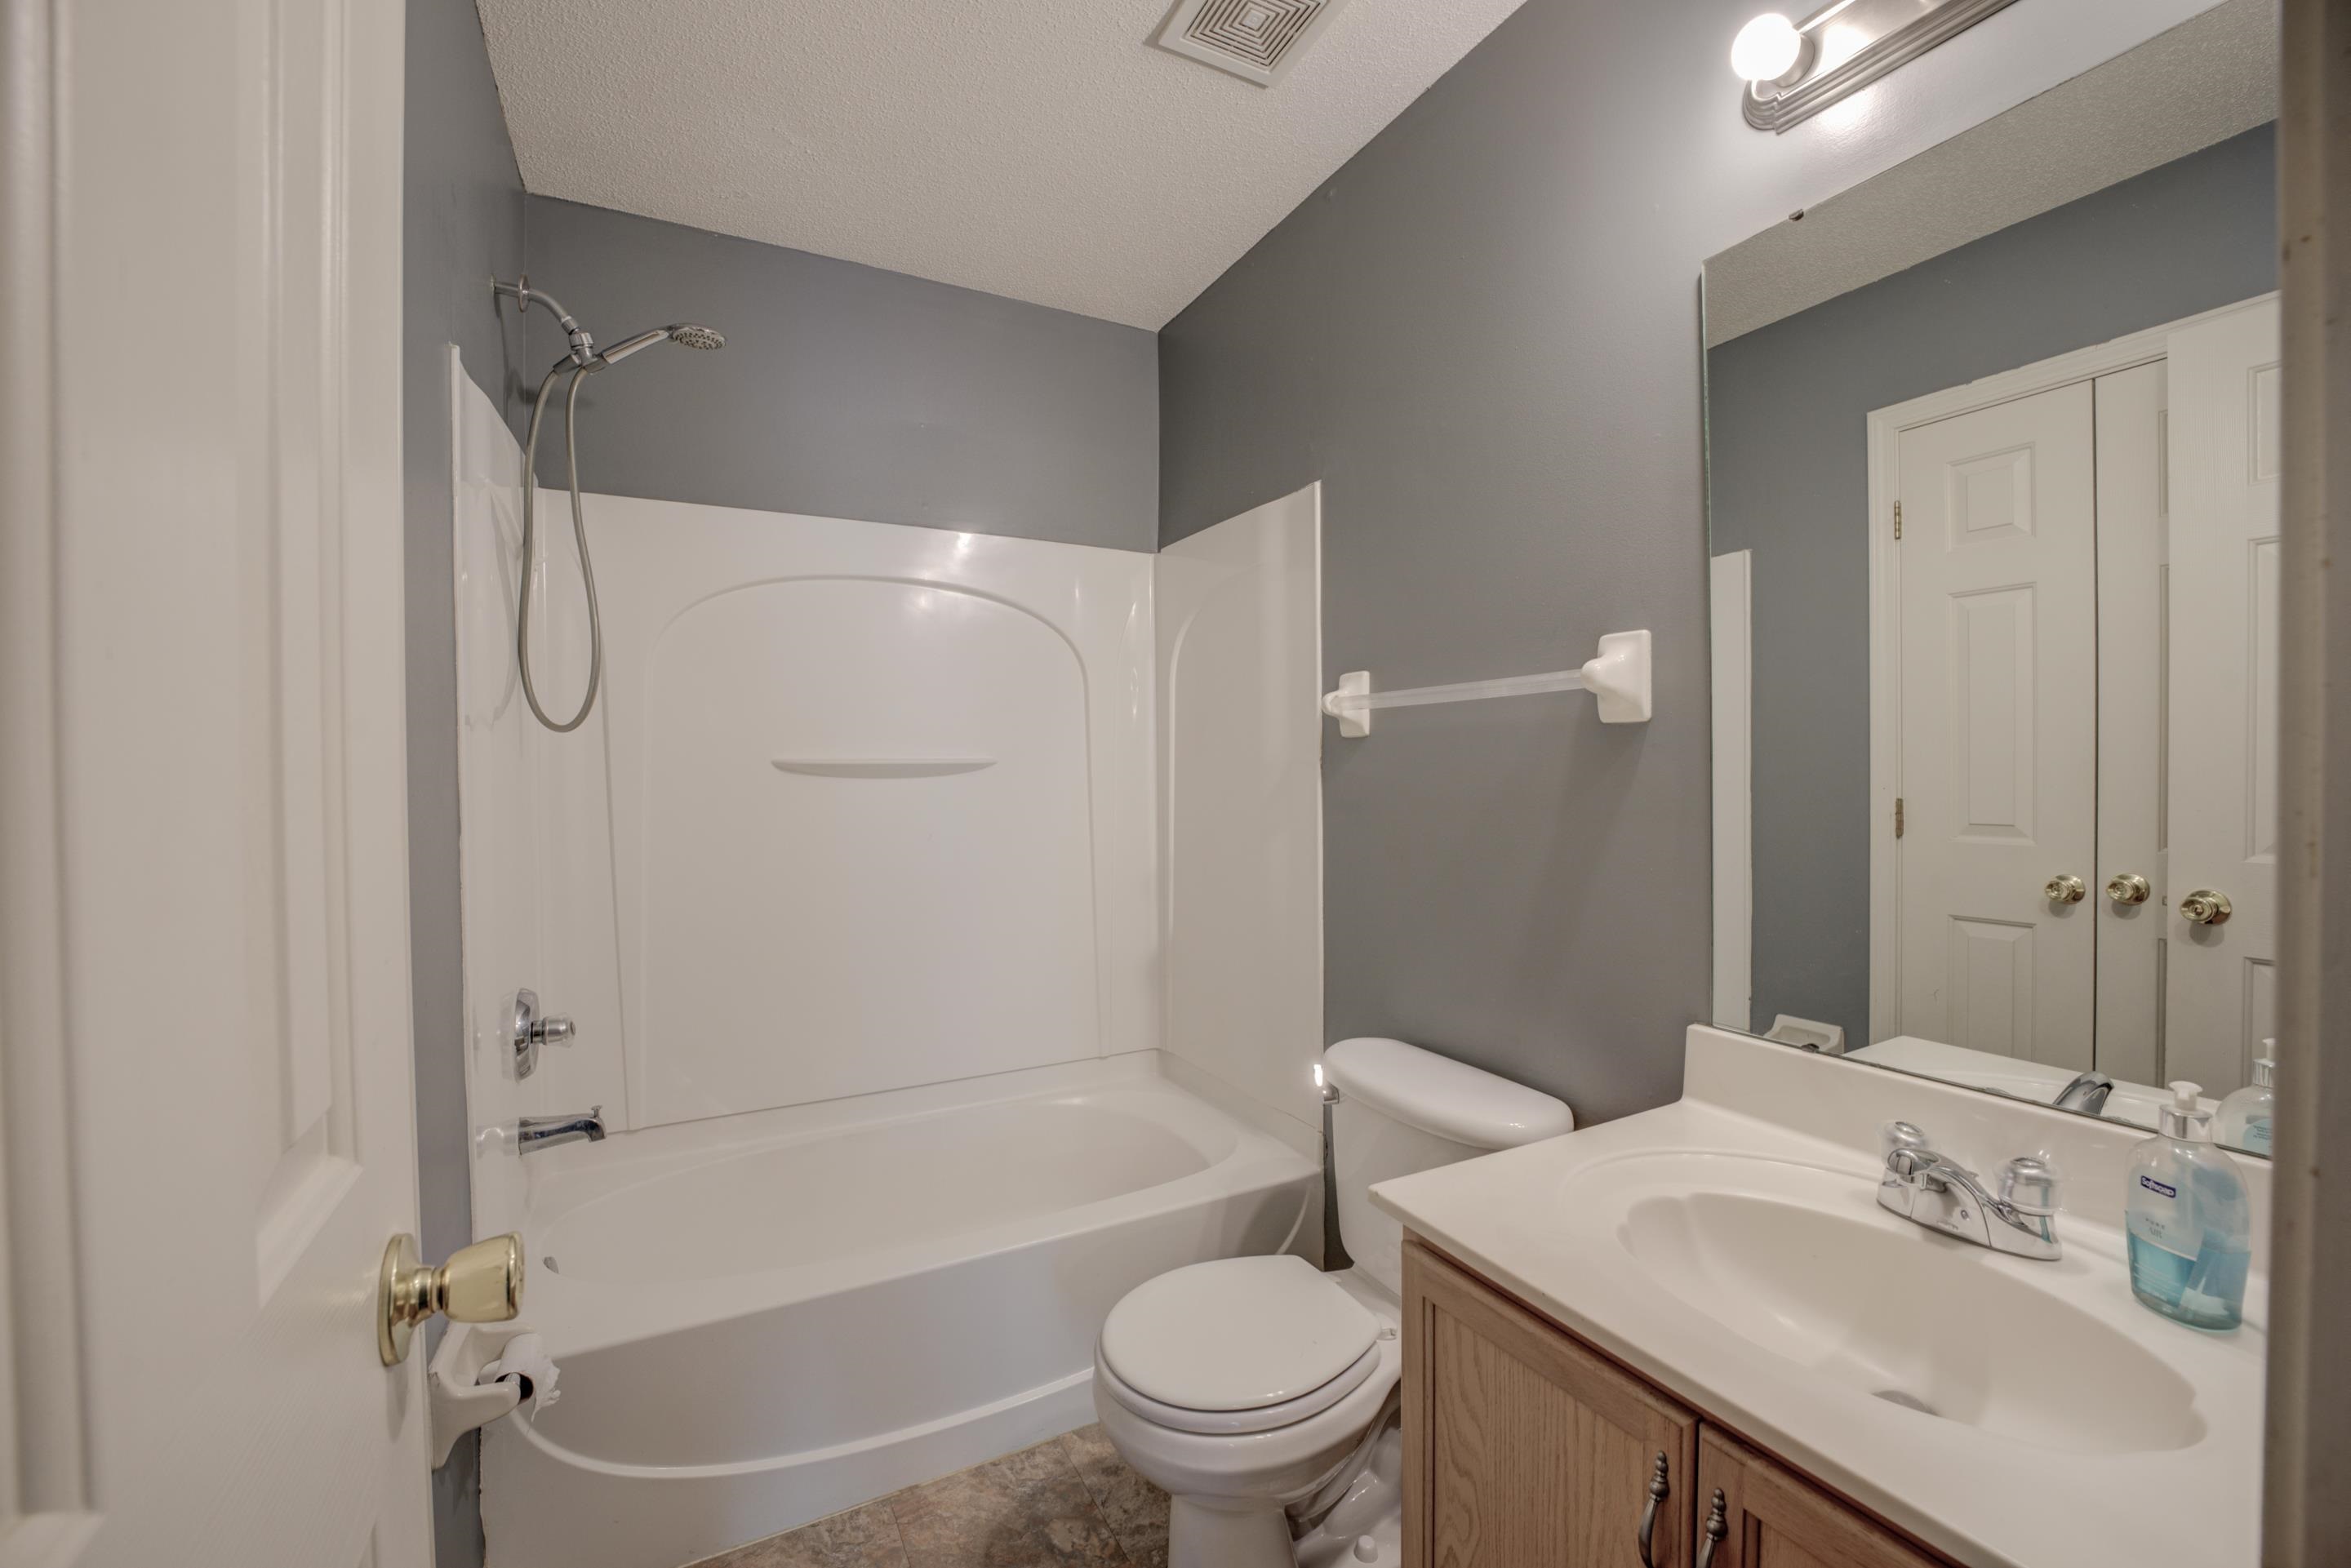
{"x": 881, "y": 804}
{"x": 2112, "y": 1436}
{"x": 1239, "y": 617}
{"x": 768, "y": 1318}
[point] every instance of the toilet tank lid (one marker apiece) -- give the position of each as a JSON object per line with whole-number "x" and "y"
{"x": 1438, "y": 1094}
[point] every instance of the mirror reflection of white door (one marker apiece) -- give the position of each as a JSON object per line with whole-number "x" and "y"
{"x": 1998, "y": 568}
{"x": 208, "y": 1131}
{"x": 2223, "y": 687}
{"x": 2132, "y": 418}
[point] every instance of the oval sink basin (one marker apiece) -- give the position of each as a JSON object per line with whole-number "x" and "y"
{"x": 1801, "y": 1262}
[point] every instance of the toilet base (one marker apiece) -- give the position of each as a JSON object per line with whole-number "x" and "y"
{"x": 1215, "y": 1533}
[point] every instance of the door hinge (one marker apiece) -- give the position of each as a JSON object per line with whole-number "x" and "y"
{"x": 1897, "y": 816}
{"x": 1897, "y": 519}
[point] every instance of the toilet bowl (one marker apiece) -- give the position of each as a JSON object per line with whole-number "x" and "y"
{"x": 1261, "y": 1393}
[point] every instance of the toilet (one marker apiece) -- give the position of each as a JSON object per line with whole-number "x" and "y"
{"x": 1260, "y": 1393}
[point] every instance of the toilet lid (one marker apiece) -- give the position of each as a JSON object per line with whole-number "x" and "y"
{"x": 1240, "y": 1333}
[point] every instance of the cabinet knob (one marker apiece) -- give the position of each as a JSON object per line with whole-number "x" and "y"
{"x": 1657, "y": 1490}
{"x": 1717, "y": 1527}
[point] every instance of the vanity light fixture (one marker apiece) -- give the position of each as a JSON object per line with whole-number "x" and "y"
{"x": 1794, "y": 71}
{"x": 1768, "y": 49}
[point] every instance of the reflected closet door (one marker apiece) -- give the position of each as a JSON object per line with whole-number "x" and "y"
{"x": 2224, "y": 706}
{"x": 1999, "y": 727}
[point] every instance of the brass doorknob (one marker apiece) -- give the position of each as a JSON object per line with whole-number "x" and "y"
{"x": 2205, "y": 907}
{"x": 479, "y": 1284}
{"x": 2066, "y": 890}
{"x": 2128, "y": 887}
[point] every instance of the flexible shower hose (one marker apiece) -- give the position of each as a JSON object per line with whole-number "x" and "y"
{"x": 578, "y": 535}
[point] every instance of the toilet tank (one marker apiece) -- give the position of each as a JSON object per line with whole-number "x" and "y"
{"x": 1402, "y": 1109}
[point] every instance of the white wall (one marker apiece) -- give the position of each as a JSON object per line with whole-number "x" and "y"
{"x": 1240, "y": 635}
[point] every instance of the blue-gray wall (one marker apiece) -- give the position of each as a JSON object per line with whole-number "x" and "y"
{"x": 1482, "y": 336}
{"x": 464, "y": 221}
{"x": 845, "y": 390}
{"x": 1787, "y": 432}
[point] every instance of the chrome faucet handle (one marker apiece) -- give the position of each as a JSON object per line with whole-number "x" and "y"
{"x": 533, "y": 1030}
{"x": 2031, "y": 1186}
{"x": 1908, "y": 1155}
{"x": 1896, "y": 1135}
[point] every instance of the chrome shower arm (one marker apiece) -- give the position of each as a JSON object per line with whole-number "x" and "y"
{"x": 583, "y": 347}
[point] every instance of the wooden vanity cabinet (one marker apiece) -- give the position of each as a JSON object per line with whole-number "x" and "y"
{"x": 1524, "y": 1448}
{"x": 1773, "y": 1518}
{"x": 1521, "y": 1447}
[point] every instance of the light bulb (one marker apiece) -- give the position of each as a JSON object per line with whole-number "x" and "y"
{"x": 1766, "y": 48}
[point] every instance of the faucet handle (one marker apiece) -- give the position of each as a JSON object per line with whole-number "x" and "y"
{"x": 1898, "y": 1135}
{"x": 2032, "y": 1185}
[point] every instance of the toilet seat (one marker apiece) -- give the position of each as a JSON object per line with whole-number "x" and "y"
{"x": 1239, "y": 1423}
{"x": 1240, "y": 1344}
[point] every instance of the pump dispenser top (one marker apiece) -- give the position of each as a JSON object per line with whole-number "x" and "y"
{"x": 2185, "y": 1118}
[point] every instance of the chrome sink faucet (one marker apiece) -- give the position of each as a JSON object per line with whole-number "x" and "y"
{"x": 1928, "y": 1189}
{"x": 546, "y": 1131}
{"x": 2087, "y": 1091}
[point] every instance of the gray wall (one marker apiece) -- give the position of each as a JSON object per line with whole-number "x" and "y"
{"x": 845, "y": 390}
{"x": 1788, "y": 404}
{"x": 1482, "y": 334}
{"x": 464, "y": 221}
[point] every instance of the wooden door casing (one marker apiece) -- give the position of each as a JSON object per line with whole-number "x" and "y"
{"x": 1524, "y": 1448}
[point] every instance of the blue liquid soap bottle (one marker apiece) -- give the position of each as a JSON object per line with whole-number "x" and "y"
{"x": 2244, "y": 1117}
{"x": 2191, "y": 1228}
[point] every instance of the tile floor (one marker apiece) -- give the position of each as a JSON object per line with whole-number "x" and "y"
{"x": 1071, "y": 1500}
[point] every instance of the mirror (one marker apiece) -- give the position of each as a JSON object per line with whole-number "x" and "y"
{"x": 1993, "y": 508}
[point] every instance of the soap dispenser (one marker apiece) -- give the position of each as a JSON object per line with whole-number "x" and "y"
{"x": 2189, "y": 1226}
{"x": 2243, "y": 1120}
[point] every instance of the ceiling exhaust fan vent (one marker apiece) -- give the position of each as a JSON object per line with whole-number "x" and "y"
{"x": 1253, "y": 39}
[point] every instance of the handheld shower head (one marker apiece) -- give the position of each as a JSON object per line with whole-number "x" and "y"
{"x": 685, "y": 333}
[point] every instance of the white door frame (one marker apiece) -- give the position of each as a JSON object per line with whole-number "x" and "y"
{"x": 1886, "y": 426}
{"x": 46, "y": 1508}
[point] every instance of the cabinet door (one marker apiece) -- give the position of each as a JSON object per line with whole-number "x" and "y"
{"x": 1523, "y": 1449}
{"x": 1753, "y": 1513}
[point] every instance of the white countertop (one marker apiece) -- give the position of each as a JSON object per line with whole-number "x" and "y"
{"x": 1980, "y": 1498}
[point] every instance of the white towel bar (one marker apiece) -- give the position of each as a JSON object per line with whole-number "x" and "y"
{"x": 1618, "y": 676}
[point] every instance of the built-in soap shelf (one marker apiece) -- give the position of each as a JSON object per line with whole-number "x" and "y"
{"x": 1618, "y": 676}
{"x": 880, "y": 767}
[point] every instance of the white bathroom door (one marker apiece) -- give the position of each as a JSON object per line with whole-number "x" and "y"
{"x": 1998, "y": 562}
{"x": 208, "y": 1131}
{"x": 2223, "y": 685}
{"x": 2131, "y": 629}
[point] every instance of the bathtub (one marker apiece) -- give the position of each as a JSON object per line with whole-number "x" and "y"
{"x": 761, "y": 1320}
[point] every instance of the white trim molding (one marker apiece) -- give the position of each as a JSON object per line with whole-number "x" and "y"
{"x": 47, "y": 1513}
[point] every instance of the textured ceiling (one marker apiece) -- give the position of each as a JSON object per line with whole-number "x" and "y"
{"x": 1039, "y": 150}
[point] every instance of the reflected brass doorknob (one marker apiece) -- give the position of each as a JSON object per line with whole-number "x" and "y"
{"x": 2128, "y": 887}
{"x": 2066, "y": 890}
{"x": 2205, "y": 907}
{"x": 479, "y": 1284}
